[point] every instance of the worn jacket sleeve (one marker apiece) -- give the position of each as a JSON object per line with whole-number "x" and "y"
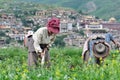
{"x": 37, "y": 40}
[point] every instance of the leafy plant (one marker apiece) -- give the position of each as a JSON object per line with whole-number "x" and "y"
{"x": 66, "y": 64}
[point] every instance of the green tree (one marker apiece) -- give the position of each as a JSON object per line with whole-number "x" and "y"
{"x": 2, "y": 33}
{"x": 8, "y": 40}
{"x": 72, "y": 17}
{"x": 80, "y": 12}
{"x": 74, "y": 25}
{"x": 59, "y": 41}
{"x": 82, "y": 32}
{"x": 36, "y": 28}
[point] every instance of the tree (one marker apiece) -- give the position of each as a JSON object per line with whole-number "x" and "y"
{"x": 8, "y": 40}
{"x": 74, "y": 25}
{"x": 59, "y": 41}
{"x": 81, "y": 32}
{"x": 2, "y": 33}
{"x": 72, "y": 17}
{"x": 80, "y": 12}
{"x": 36, "y": 28}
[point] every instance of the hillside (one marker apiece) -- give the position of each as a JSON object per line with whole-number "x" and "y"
{"x": 103, "y": 9}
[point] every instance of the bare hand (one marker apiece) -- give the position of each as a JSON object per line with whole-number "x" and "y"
{"x": 42, "y": 54}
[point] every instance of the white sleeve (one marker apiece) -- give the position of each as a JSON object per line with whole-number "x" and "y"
{"x": 37, "y": 40}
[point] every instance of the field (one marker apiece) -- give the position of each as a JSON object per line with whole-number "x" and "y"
{"x": 66, "y": 64}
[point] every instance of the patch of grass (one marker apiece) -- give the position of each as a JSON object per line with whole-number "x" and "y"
{"x": 66, "y": 64}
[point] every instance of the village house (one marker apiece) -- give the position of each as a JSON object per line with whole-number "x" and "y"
{"x": 63, "y": 26}
{"x": 112, "y": 26}
{"x": 4, "y": 28}
{"x": 74, "y": 39}
{"x": 41, "y": 13}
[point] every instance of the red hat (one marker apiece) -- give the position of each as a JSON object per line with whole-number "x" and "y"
{"x": 54, "y": 25}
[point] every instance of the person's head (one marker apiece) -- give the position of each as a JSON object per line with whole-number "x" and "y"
{"x": 30, "y": 33}
{"x": 53, "y": 26}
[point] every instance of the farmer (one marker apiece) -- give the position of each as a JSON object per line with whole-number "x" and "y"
{"x": 44, "y": 37}
{"x": 88, "y": 46}
{"x": 28, "y": 42}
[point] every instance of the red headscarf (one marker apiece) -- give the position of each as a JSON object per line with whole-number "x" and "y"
{"x": 54, "y": 25}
